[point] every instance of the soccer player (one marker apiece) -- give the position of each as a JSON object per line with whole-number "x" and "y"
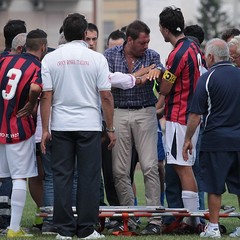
{"x": 10, "y": 30}
{"x": 20, "y": 85}
{"x": 177, "y": 88}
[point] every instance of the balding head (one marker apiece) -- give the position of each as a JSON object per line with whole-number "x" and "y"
{"x": 216, "y": 51}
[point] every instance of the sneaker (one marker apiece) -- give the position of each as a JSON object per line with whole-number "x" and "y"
{"x": 37, "y": 227}
{"x": 151, "y": 229}
{"x": 120, "y": 227}
{"x": 138, "y": 221}
{"x": 235, "y": 233}
{"x": 94, "y": 235}
{"x": 18, "y": 234}
{"x": 112, "y": 224}
{"x": 60, "y": 237}
{"x": 49, "y": 229}
{"x": 214, "y": 233}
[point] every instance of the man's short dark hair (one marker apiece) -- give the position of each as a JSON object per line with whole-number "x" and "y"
{"x": 229, "y": 33}
{"x": 194, "y": 31}
{"x": 12, "y": 29}
{"x": 172, "y": 19}
{"x": 135, "y": 28}
{"x": 74, "y": 27}
{"x": 115, "y": 35}
{"x": 92, "y": 27}
{"x": 35, "y": 39}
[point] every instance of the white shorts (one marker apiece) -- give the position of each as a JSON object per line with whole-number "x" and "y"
{"x": 174, "y": 139}
{"x": 18, "y": 160}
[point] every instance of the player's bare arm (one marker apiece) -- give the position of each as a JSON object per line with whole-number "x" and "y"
{"x": 193, "y": 121}
{"x": 34, "y": 93}
{"x": 168, "y": 79}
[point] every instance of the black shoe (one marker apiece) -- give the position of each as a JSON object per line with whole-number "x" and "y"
{"x": 37, "y": 227}
{"x": 49, "y": 229}
{"x": 151, "y": 229}
{"x": 120, "y": 227}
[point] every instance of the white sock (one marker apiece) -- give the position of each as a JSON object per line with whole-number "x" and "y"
{"x": 19, "y": 192}
{"x": 191, "y": 202}
{"x": 212, "y": 226}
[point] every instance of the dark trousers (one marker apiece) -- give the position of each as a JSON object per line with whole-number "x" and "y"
{"x": 66, "y": 147}
{"x": 110, "y": 190}
{"x": 5, "y": 208}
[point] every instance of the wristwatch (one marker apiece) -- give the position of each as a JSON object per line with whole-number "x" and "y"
{"x": 110, "y": 129}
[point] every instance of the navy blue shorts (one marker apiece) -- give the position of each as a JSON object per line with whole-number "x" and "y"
{"x": 220, "y": 169}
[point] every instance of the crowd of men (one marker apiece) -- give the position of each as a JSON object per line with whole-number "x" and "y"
{"x": 100, "y": 113}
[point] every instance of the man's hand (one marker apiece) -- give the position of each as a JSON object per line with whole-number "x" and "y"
{"x": 154, "y": 74}
{"x": 143, "y": 70}
{"x": 26, "y": 110}
{"x": 112, "y": 139}
{"x": 187, "y": 148}
{"x": 46, "y": 136}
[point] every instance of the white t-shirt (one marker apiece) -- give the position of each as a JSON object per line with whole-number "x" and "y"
{"x": 75, "y": 74}
{"x": 38, "y": 132}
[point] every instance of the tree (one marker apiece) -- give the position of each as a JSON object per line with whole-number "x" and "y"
{"x": 212, "y": 19}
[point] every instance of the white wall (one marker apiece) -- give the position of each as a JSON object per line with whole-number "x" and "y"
{"x": 49, "y": 18}
{"x": 150, "y": 10}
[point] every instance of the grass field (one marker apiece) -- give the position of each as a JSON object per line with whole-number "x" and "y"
{"x": 229, "y": 223}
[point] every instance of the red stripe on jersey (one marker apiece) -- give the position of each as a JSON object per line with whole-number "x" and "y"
{"x": 24, "y": 70}
{"x": 183, "y": 63}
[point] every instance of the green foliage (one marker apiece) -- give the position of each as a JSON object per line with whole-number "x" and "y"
{"x": 212, "y": 19}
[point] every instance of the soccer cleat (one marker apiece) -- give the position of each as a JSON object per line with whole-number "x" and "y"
{"x": 18, "y": 234}
{"x": 94, "y": 235}
{"x": 151, "y": 229}
{"x": 60, "y": 237}
{"x": 214, "y": 233}
{"x": 235, "y": 233}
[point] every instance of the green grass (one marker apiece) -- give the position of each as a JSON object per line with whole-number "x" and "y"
{"x": 228, "y": 199}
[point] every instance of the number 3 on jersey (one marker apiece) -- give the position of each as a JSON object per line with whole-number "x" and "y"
{"x": 14, "y": 76}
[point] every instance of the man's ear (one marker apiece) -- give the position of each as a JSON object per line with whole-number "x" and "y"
{"x": 19, "y": 49}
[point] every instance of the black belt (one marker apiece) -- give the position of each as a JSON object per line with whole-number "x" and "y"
{"x": 136, "y": 107}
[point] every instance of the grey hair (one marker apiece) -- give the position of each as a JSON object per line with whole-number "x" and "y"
{"x": 235, "y": 41}
{"x": 19, "y": 41}
{"x": 218, "y": 48}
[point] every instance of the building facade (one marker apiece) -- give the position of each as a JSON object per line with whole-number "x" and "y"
{"x": 108, "y": 15}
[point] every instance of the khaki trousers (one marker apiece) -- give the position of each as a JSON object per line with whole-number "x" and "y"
{"x": 137, "y": 127}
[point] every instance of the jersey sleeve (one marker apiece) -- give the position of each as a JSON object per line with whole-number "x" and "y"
{"x": 103, "y": 82}
{"x": 37, "y": 78}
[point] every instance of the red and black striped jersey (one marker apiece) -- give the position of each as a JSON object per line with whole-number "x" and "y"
{"x": 185, "y": 62}
{"x": 17, "y": 73}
